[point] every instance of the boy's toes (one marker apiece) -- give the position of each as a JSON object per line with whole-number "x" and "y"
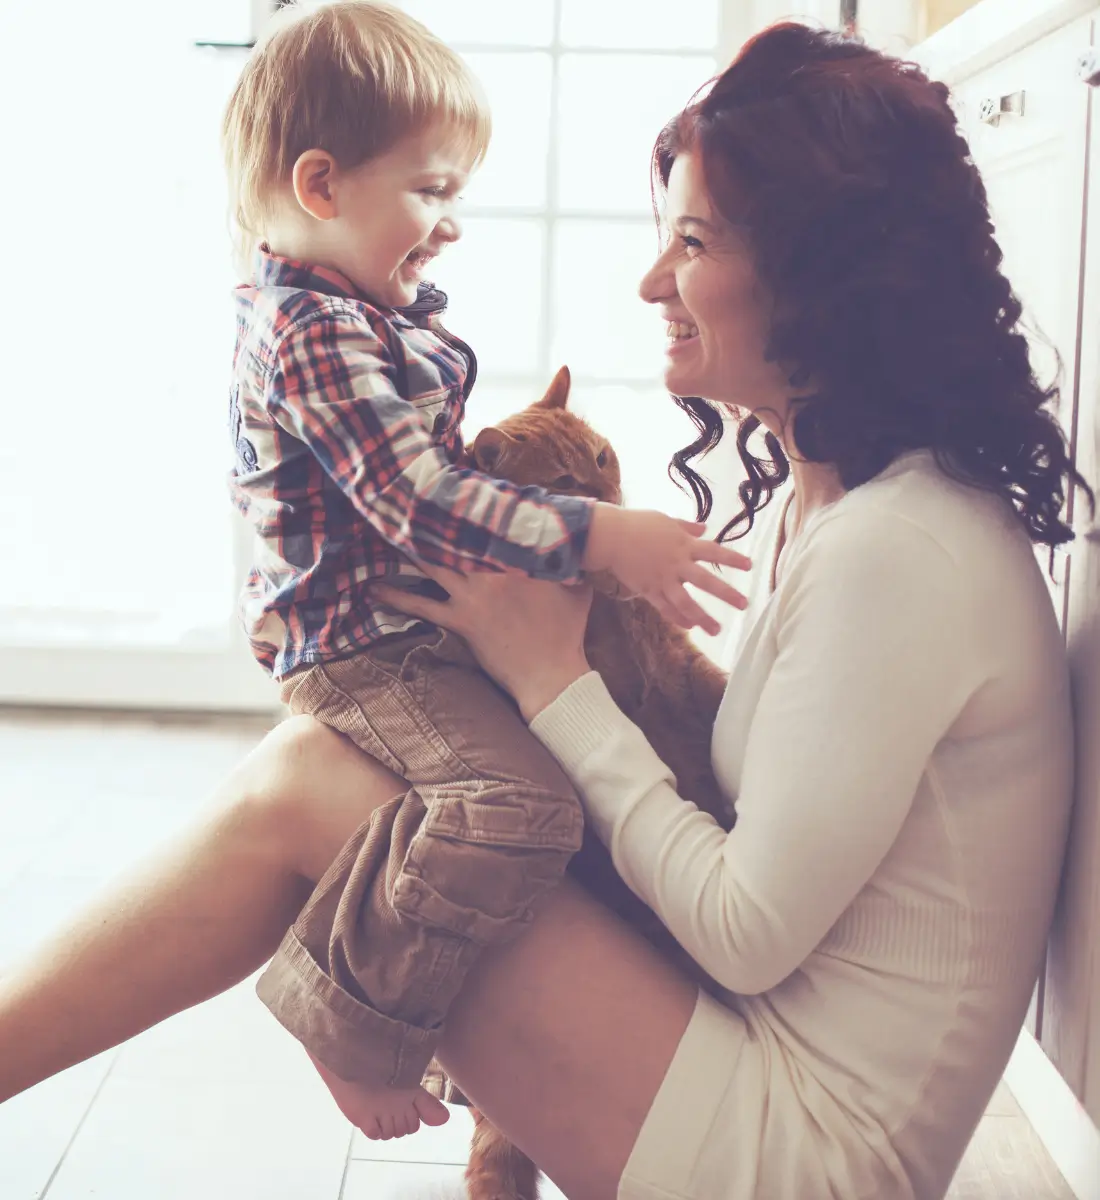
{"x": 430, "y": 1110}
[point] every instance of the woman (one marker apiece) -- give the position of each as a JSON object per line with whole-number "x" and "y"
{"x": 896, "y": 735}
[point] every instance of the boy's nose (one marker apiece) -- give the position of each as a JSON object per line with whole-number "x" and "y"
{"x": 449, "y": 229}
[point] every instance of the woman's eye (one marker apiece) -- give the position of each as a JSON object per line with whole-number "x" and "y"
{"x": 690, "y": 243}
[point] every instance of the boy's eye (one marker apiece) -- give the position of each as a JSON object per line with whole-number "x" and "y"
{"x": 438, "y": 191}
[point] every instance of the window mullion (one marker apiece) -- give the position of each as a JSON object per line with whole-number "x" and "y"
{"x": 550, "y": 227}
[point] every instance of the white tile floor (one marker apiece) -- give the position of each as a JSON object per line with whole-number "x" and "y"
{"x": 218, "y": 1103}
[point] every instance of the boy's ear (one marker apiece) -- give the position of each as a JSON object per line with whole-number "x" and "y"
{"x": 557, "y": 394}
{"x": 313, "y": 180}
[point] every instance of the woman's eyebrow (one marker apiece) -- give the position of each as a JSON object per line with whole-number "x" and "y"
{"x": 695, "y": 221}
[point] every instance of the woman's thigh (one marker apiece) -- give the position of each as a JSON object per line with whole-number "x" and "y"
{"x": 563, "y": 1036}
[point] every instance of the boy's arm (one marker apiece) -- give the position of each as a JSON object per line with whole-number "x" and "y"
{"x": 334, "y": 387}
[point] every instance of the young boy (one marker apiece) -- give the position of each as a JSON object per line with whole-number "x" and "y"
{"x": 348, "y": 138}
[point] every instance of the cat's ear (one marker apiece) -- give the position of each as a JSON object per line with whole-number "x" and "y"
{"x": 557, "y": 394}
{"x": 488, "y": 448}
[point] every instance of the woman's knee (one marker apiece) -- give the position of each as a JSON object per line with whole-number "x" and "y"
{"x": 304, "y": 790}
{"x": 272, "y": 790}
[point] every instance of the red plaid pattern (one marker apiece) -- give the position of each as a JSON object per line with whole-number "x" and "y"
{"x": 345, "y": 420}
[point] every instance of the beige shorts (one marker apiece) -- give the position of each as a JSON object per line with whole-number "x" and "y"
{"x": 689, "y": 1142}
{"x": 736, "y": 1119}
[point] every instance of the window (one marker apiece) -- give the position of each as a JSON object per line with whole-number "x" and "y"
{"x": 558, "y": 223}
{"x": 120, "y": 555}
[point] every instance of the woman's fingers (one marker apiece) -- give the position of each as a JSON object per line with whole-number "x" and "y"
{"x": 668, "y": 612}
{"x": 706, "y": 581}
{"x": 439, "y": 612}
{"x": 691, "y": 613}
{"x": 722, "y": 556}
{"x": 444, "y": 576}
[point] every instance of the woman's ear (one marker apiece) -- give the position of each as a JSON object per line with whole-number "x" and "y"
{"x": 488, "y": 449}
{"x": 313, "y": 180}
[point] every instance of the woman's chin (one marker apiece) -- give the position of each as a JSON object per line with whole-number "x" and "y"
{"x": 678, "y": 381}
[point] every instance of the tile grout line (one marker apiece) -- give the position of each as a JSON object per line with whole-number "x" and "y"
{"x": 408, "y": 1162}
{"x": 347, "y": 1164}
{"x": 79, "y": 1125}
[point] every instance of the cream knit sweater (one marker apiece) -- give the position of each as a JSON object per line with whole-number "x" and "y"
{"x": 896, "y": 737}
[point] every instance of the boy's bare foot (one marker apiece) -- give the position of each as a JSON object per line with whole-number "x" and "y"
{"x": 383, "y": 1113}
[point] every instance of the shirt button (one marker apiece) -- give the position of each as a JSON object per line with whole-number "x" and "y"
{"x": 440, "y": 423}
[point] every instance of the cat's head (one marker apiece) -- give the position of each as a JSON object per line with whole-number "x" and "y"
{"x": 550, "y": 447}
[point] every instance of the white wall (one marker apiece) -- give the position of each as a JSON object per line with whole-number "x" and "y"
{"x": 888, "y": 24}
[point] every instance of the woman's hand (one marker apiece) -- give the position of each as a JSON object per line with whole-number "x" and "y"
{"x": 526, "y": 633}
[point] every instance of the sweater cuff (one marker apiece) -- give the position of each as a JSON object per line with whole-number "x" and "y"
{"x": 579, "y": 721}
{"x": 606, "y": 755}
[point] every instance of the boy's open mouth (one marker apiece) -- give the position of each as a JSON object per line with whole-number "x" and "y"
{"x": 419, "y": 258}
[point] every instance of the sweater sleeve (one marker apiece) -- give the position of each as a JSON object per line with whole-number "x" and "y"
{"x": 873, "y": 664}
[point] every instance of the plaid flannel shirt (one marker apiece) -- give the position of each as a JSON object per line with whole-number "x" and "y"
{"x": 345, "y": 420}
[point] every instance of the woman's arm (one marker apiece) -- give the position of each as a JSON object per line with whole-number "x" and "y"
{"x": 874, "y": 664}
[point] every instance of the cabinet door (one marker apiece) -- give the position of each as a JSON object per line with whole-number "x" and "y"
{"x": 1026, "y": 120}
{"x": 1071, "y": 1016}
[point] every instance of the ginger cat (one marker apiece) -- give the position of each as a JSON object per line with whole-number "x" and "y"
{"x": 657, "y": 677}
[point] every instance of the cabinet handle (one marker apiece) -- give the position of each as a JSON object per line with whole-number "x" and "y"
{"x": 1088, "y": 67}
{"x": 993, "y": 108}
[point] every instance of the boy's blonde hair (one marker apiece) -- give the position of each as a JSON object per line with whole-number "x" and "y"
{"x": 352, "y": 77}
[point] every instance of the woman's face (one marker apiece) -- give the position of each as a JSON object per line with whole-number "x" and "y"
{"x": 708, "y": 292}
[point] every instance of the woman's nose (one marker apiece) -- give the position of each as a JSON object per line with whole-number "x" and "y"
{"x": 657, "y": 283}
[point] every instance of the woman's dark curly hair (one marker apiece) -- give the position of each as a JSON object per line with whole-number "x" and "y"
{"x": 871, "y": 234}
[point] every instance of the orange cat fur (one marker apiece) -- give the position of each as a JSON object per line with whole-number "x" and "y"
{"x": 666, "y": 686}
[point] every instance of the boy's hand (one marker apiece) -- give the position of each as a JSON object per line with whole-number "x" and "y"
{"x": 653, "y": 555}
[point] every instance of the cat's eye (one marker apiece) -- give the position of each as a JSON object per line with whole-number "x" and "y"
{"x": 601, "y": 459}
{"x": 564, "y": 482}
{"x": 519, "y": 437}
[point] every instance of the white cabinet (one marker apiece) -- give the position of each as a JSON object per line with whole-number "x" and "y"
{"x": 1026, "y": 119}
{"x": 1032, "y": 123}
{"x": 1071, "y": 1020}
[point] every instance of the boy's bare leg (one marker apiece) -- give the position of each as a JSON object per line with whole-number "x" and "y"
{"x": 210, "y": 911}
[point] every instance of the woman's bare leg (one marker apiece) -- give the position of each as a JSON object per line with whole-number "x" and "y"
{"x": 547, "y": 1038}
{"x": 205, "y": 915}
{"x": 539, "y": 1036}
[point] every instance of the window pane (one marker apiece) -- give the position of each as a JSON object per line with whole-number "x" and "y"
{"x": 651, "y": 25}
{"x": 493, "y": 278}
{"x": 601, "y": 326}
{"x": 646, "y": 429}
{"x": 497, "y": 22}
{"x": 118, "y": 526}
{"x": 609, "y": 170}
{"x": 491, "y": 402}
{"x": 514, "y": 171}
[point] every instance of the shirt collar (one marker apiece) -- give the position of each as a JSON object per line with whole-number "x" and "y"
{"x": 272, "y": 270}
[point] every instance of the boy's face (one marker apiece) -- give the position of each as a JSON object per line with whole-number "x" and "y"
{"x": 392, "y": 215}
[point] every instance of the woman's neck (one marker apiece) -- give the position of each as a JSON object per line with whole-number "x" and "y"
{"x": 815, "y": 486}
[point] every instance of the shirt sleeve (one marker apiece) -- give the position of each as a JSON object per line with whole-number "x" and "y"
{"x": 334, "y": 387}
{"x": 874, "y": 663}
